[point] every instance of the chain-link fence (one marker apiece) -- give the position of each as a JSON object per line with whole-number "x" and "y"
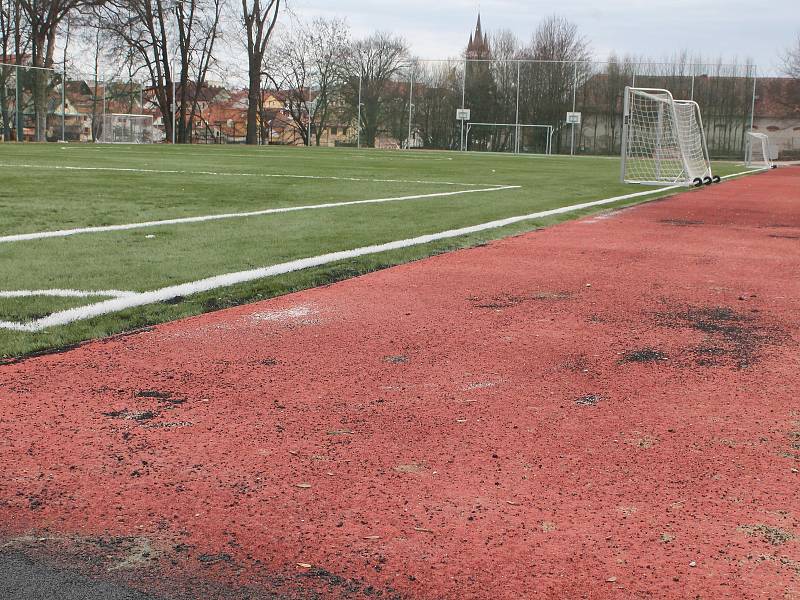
{"x": 31, "y": 104}
{"x": 523, "y": 106}
{"x": 42, "y": 105}
{"x": 514, "y": 106}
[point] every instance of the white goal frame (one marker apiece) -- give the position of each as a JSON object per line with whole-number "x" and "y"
{"x": 518, "y": 127}
{"x": 757, "y": 153}
{"x": 663, "y": 140}
{"x": 135, "y": 129}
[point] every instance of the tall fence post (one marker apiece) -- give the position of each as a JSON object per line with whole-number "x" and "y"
{"x": 691, "y": 96}
{"x": 516, "y": 131}
{"x": 753, "y": 100}
{"x": 574, "y": 98}
{"x": 463, "y": 101}
{"x": 358, "y": 125}
{"x": 410, "y": 106}
{"x": 19, "y": 116}
{"x": 64, "y": 105}
{"x": 174, "y": 104}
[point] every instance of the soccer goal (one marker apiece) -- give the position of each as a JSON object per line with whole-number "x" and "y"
{"x": 511, "y": 137}
{"x": 663, "y": 141}
{"x": 126, "y": 129}
{"x": 757, "y": 151}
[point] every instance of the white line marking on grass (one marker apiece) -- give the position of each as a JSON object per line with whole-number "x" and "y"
{"x": 224, "y": 174}
{"x": 105, "y": 307}
{"x": 59, "y": 293}
{"x": 257, "y": 154}
{"x": 20, "y": 237}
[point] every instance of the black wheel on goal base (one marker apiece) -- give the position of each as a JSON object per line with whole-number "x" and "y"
{"x": 773, "y": 166}
{"x": 717, "y": 179}
{"x": 707, "y": 180}
{"x": 697, "y": 182}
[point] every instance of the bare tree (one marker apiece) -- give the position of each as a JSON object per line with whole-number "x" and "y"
{"x": 791, "y": 59}
{"x": 437, "y": 96}
{"x": 373, "y": 63}
{"x": 198, "y": 27}
{"x": 549, "y": 85}
{"x": 328, "y": 41}
{"x": 505, "y": 49}
{"x": 307, "y": 67}
{"x": 143, "y": 26}
{"x": 150, "y": 33}
{"x": 259, "y": 18}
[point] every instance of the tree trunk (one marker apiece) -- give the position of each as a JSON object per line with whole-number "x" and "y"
{"x": 253, "y": 96}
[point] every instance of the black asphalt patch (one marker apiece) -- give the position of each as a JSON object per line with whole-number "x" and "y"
{"x": 23, "y": 578}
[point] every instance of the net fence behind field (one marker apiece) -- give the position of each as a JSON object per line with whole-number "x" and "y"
{"x": 413, "y": 105}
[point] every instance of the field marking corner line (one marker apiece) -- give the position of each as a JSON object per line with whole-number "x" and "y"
{"x": 88, "y": 311}
{"x": 23, "y": 237}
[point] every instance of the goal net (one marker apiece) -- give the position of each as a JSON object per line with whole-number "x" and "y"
{"x": 663, "y": 141}
{"x": 757, "y": 151}
{"x": 126, "y": 129}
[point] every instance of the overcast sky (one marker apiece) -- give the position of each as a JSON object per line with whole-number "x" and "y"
{"x": 734, "y": 29}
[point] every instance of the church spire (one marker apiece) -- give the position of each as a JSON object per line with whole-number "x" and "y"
{"x": 478, "y": 46}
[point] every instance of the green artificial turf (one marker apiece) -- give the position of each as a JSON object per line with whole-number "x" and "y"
{"x": 52, "y": 187}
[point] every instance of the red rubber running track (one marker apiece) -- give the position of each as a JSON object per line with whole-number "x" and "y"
{"x": 606, "y": 408}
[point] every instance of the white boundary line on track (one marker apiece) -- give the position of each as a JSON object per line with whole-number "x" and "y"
{"x": 21, "y": 237}
{"x": 225, "y": 174}
{"x": 60, "y": 293}
{"x": 105, "y": 307}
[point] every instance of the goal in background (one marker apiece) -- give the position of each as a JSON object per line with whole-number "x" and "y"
{"x": 663, "y": 141}
{"x": 757, "y": 151}
{"x": 126, "y": 129}
{"x": 510, "y": 137}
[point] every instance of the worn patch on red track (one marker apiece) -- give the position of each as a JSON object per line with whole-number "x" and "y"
{"x": 606, "y": 408}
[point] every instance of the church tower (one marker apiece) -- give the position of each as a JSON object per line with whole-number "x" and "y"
{"x": 478, "y": 46}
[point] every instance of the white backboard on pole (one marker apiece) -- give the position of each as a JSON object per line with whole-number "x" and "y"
{"x": 574, "y": 118}
{"x": 463, "y": 114}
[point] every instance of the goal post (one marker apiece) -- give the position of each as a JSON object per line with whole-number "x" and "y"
{"x": 663, "y": 141}
{"x": 126, "y": 129}
{"x": 757, "y": 154}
